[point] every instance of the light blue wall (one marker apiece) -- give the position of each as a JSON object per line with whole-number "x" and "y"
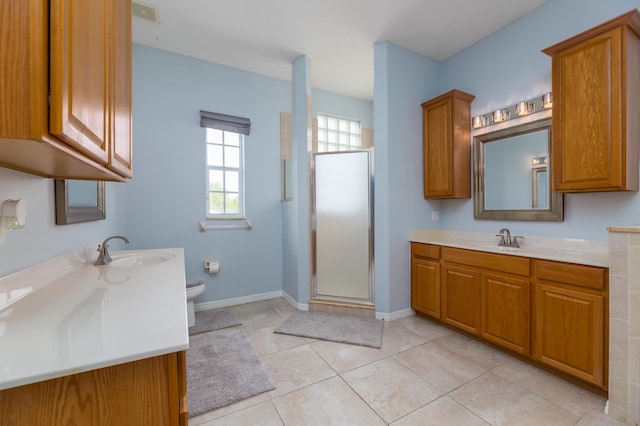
{"x": 507, "y": 67}
{"x": 403, "y": 80}
{"x": 166, "y": 197}
{"x": 342, "y": 106}
{"x": 41, "y": 239}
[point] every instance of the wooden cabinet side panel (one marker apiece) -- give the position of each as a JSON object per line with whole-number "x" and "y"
{"x": 461, "y": 298}
{"x": 506, "y": 312}
{"x": 120, "y": 154}
{"x": 438, "y": 162}
{"x": 632, "y": 96}
{"x": 569, "y": 330}
{"x": 461, "y": 148}
{"x": 78, "y": 58}
{"x": 425, "y": 287}
{"x": 137, "y": 393}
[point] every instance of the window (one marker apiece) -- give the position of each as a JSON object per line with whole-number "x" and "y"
{"x": 225, "y": 174}
{"x": 338, "y": 134}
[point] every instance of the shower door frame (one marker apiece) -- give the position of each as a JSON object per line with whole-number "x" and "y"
{"x": 370, "y": 301}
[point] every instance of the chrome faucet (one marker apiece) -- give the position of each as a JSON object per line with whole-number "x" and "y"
{"x": 505, "y": 237}
{"x": 103, "y": 257}
{"x": 506, "y": 240}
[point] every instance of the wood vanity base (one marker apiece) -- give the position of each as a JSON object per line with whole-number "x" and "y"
{"x": 549, "y": 313}
{"x": 150, "y": 392}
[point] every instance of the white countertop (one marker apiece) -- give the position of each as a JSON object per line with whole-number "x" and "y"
{"x": 66, "y": 316}
{"x": 584, "y": 252}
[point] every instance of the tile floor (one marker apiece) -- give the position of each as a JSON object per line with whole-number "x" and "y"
{"x": 424, "y": 374}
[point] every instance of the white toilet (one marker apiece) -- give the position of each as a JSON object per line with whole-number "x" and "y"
{"x": 194, "y": 289}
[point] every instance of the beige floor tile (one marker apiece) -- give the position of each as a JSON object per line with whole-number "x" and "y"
{"x": 206, "y": 418}
{"x": 559, "y": 392}
{"x": 441, "y": 412}
{"x": 331, "y": 402}
{"x": 396, "y": 338}
{"x": 500, "y": 402}
{"x": 342, "y": 357}
{"x": 468, "y": 348}
{"x": 439, "y": 366}
{"x": 390, "y": 388}
{"x": 266, "y": 342}
{"x": 260, "y": 317}
{"x": 295, "y": 368}
{"x": 423, "y": 327}
{"x": 263, "y": 414}
{"x": 598, "y": 418}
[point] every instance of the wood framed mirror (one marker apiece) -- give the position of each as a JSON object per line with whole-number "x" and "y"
{"x": 512, "y": 174}
{"x": 79, "y": 201}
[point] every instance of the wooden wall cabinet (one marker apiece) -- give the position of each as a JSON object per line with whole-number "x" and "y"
{"x": 570, "y": 319}
{"x": 149, "y": 392}
{"x": 65, "y": 88}
{"x": 596, "y": 104}
{"x": 553, "y": 313}
{"x": 447, "y": 145}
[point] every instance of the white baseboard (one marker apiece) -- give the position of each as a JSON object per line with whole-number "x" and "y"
{"x": 292, "y": 301}
{"x": 395, "y": 315}
{"x": 205, "y": 306}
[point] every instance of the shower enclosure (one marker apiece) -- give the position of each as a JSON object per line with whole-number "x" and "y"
{"x": 342, "y": 227}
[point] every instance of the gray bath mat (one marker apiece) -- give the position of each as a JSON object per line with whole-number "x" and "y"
{"x": 223, "y": 368}
{"x": 213, "y": 320}
{"x": 336, "y": 328}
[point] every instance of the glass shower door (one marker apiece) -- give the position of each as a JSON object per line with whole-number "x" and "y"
{"x": 342, "y": 226}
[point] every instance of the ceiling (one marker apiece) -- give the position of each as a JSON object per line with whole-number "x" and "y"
{"x": 265, "y": 36}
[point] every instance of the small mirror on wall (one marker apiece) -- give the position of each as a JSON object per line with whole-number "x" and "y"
{"x": 79, "y": 201}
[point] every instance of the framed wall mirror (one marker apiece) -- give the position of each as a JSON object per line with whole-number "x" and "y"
{"x": 79, "y": 201}
{"x": 512, "y": 174}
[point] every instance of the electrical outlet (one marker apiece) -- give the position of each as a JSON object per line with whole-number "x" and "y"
{"x": 435, "y": 216}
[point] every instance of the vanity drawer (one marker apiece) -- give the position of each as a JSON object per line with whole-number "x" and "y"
{"x": 570, "y": 273}
{"x": 425, "y": 250}
{"x": 498, "y": 262}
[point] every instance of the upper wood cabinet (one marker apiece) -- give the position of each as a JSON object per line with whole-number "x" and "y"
{"x": 596, "y": 103}
{"x": 65, "y": 88}
{"x": 447, "y": 145}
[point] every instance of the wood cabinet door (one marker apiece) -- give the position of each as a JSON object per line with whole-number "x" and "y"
{"x": 120, "y": 127}
{"x": 425, "y": 287}
{"x": 145, "y": 392}
{"x": 438, "y": 156}
{"x": 461, "y": 298}
{"x": 588, "y": 145}
{"x": 569, "y": 331}
{"x": 506, "y": 312}
{"x": 79, "y": 108}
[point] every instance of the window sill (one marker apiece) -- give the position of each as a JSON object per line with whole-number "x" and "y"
{"x": 205, "y": 225}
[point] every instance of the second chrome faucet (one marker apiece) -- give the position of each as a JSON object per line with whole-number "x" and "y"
{"x": 506, "y": 240}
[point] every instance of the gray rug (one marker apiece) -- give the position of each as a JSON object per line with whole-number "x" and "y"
{"x": 336, "y": 328}
{"x": 223, "y": 368}
{"x": 213, "y": 320}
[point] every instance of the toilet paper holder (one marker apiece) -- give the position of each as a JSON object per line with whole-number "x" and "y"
{"x": 211, "y": 266}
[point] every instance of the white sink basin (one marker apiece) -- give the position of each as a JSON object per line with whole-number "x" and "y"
{"x": 137, "y": 259}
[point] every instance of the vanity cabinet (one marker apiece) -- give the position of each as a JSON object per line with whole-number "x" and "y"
{"x": 553, "y": 313}
{"x": 596, "y": 102}
{"x": 65, "y": 109}
{"x": 151, "y": 391}
{"x": 570, "y": 319}
{"x": 425, "y": 279}
{"x": 447, "y": 145}
{"x": 488, "y": 295}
